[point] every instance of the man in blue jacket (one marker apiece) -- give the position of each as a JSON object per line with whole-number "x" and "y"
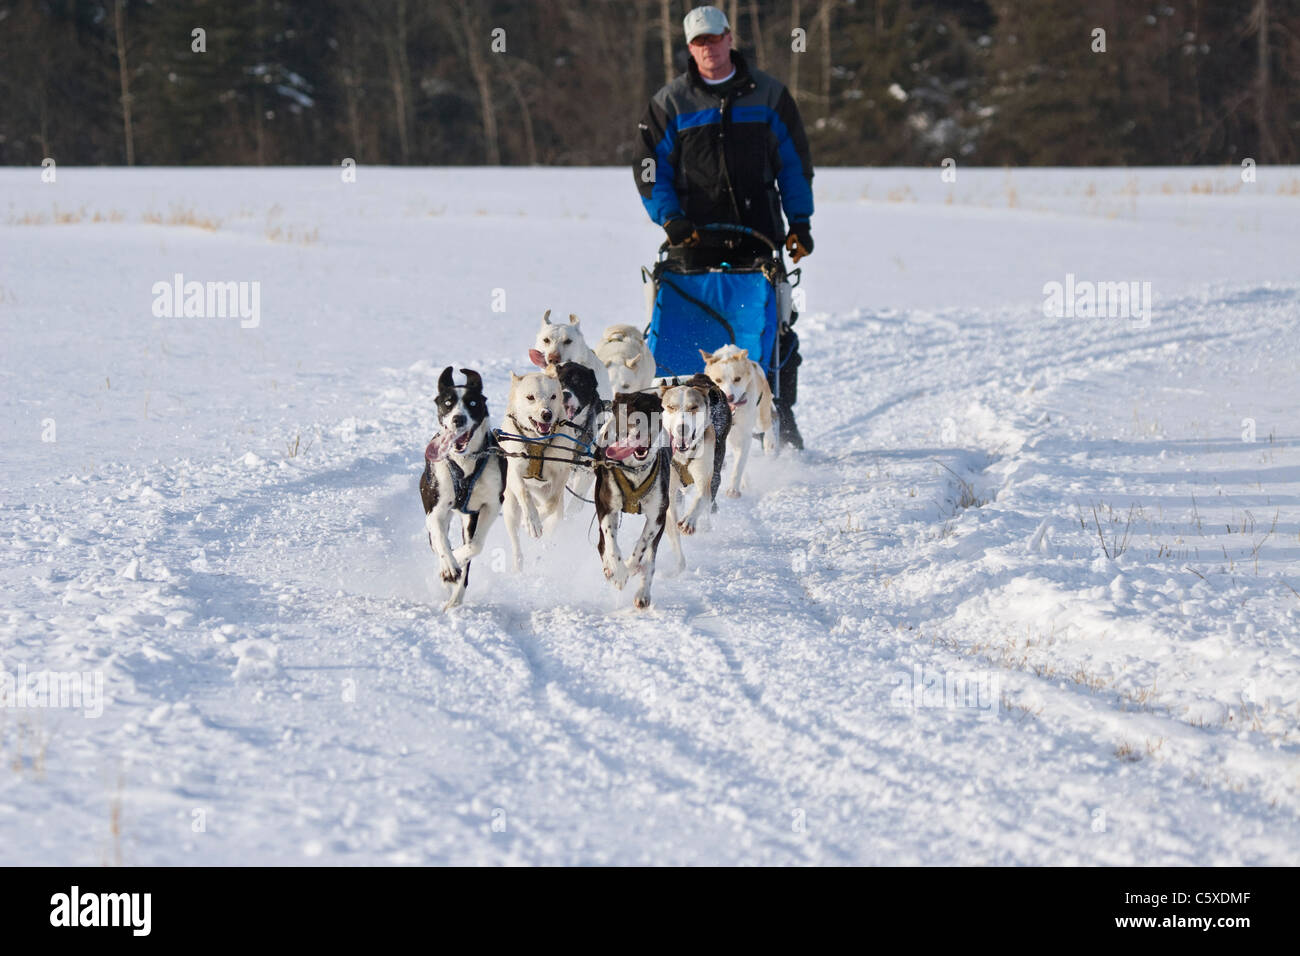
{"x": 724, "y": 143}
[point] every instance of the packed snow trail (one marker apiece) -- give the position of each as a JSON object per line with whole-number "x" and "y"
{"x": 1057, "y": 522}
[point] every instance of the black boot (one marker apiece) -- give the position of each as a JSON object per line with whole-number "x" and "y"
{"x": 788, "y": 391}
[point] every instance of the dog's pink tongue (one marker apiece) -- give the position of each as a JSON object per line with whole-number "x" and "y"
{"x": 436, "y": 450}
{"x": 619, "y": 451}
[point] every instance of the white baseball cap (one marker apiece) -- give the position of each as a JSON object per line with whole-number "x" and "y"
{"x": 705, "y": 20}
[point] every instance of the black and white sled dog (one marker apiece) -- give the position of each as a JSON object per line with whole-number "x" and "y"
{"x": 697, "y": 419}
{"x": 539, "y": 467}
{"x": 558, "y": 342}
{"x": 633, "y": 477}
{"x": 462, "y": 475}
{"x": 582, "y": 416}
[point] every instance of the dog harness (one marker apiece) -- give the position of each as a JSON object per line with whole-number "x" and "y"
{"x": 632, "y": 494}
{"x": 535, "y": 449}
{"x": 683, "y": 472}
{"x": 462, "y": 487}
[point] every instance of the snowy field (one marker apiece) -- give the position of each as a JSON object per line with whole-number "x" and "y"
{"x": 1030, "y": 596}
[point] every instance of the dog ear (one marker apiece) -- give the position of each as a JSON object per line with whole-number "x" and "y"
{"x": 631, "y": 363}
{"x": 537, "y": 358}
{"x": 514, "y": 378}
{"x": 743, "y": 355}
{"x": 663, "y": 390}
{"x": 445, "y": 381}
{"x": 706, "y": 356}
{"x": 573, "y": 319}
{"x": 473, "y": 381}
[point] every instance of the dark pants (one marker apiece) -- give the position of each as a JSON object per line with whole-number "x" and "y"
{"x": 785, "y": 386}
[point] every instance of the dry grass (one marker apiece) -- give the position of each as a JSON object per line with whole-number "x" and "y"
{"x": 178, "y": 215}
{"x": 113, "y": 853}
{"x": 289, "y": 234}
{"x": 295, "y": 448}
{"x": 966, "y": 496}
{"x": 1126, "y": 752}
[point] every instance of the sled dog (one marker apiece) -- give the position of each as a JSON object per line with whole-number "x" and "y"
{"x": 582, "y": 411}
{"x": 750, "y": 397}
{"x": 558, "y": 342}
{"x": 462, "y": 475}
{"x": 697, "y": 420}
{"x": 625, "y": 355}
{"x": 540, "y": 466}
{"x": 632, "y": 477}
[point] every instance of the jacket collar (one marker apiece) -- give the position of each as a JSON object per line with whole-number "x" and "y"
{"x": 742, "y": 81}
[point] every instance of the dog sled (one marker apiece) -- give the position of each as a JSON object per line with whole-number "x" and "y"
{"x": 745, "y": 303}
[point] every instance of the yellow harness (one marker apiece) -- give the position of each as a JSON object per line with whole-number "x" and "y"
{"x": 536, "y": 451}
{"x": 684, "y": 472}
{"x": 632, "y": 495}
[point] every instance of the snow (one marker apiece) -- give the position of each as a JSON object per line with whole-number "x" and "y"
{"x": 1062, "y": 526}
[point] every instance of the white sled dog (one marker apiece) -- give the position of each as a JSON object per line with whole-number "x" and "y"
{"x": 625, "y": 355}
{"x": 745, "y": 386}
{"x": 534, "y": 484}
{"x": 558, "y": 342}
{"x": 697, "y": 419}
{"x": 462, "y": 474}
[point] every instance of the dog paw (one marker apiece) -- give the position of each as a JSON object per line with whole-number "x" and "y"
{"x": 686, "y": 526}
{"x": 534, "y": 527}
{"x": 642, "y": 600}
{"x": 452, "y": 602}
{"x": 616, "y": 573}
{"x": 733, "y": 493}
{"x": 450, "y": 571}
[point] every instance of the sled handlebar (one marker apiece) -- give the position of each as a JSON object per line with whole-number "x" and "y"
{"x": 731, "y": 227}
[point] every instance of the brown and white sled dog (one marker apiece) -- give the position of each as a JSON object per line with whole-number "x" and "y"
{"x": 558, "y": 342}
{"x": 534, "y": 484}
{"x": 462, "y": 474}
{"x": 697, "y": 419}
{"x": 627, "y": 358}
{"x": 750, "y": 397}
{"x": 632, "y": 477}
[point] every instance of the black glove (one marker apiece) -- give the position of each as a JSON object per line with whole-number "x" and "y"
{"x": 799, "y": 242}
{"x": 681, "y": 232}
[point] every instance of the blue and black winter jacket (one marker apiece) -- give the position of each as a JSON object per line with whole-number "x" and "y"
{"x": 734, "y": 154}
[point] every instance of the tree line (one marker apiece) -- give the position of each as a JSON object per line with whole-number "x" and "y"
{"x": 563, "y": 82}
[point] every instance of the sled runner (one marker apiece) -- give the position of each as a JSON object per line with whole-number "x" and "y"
{"x": 742, "y": 303}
